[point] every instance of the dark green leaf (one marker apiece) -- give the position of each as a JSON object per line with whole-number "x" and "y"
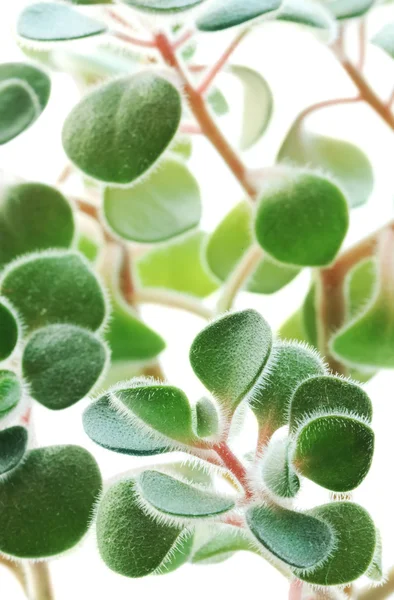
{"x": 222, "y": 14}
{"x": 9, "y": 330}
{"x": 13, "y": 442}
{"x": 47, "y": 502}
{"x": 108, "y": 428}
{"x": 278, "y": 473}
{"x": 36, "y": 79}
{"x": 207, "y": 418}
{"x": 50, "y": 22}
{"x": 230, "y": 353}
{"x": 10, "y": 392}
{"x": 120, "y": 130}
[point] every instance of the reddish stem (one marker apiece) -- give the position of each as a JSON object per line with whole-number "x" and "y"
{"x": 190, "y": 128}
{"x": 185, "y": 37}
{"x": 295, "y": 591}
{"x": 233, "y": 465}
{"x": 130, "y": 39}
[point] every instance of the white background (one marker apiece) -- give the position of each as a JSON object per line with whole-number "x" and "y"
{"x": 300, "y": 71}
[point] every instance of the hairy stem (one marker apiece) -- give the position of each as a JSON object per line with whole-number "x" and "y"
{"x": 173, "y": 300}
{"x": 39, "y": 581}
{"x": 239, "y": 277}
{"x": 233, "y": 465}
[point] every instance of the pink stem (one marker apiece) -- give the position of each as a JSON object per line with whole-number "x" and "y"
{"x": 295, "y": 591}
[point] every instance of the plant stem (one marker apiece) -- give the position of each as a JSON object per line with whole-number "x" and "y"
{"x": 173, "y": 300}
{"x": 201, "y": 113}
{"x": 295, "y": 591}
{"x": 378, "y": 593}
{"x": 239, "y": 277}
{"x": 325, "y": 104}
{"x": 39, "y": 581}
{"x": 362, "y": 39}
{"x": 130, "y": 39}
{"x": 233, "y": 465}
{"x": 16, "y": 569}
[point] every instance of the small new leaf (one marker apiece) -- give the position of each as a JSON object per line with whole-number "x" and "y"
{"x": 207, "y": 418}
{"x": 9, "y": 330}
{"x": 277, "y": 470}
{"x": 13, "y": 442}
{"x": 10, "y": 392}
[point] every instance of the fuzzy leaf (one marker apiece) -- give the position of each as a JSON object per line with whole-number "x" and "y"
{"x": 349, "y": 9}
{"x": 164, "y": 267}
{"x": 334, "y": 452}
{"x": 325, "y": 395}
{"x": 346, "y": 163}
{"x": 375, "y": 569}
{"x": 47, "y": 502}
{"x": 113, "y": 431}
{"x": 62, "y": 363}
{"x": 221, "y": 544}
{"x": 207, "y": 418}
{"x": 10, "y": 391}
{"x": 9, "y": 331}
{"x": 50, "y": 22}
{"x": 355, "y": 541}
{"x": 222, "y": 14}
{"x": 289, "y": 365}
{"x": 179, "y": 555}
{"x": 174, "y": 497}
{"x": 25, "y": 212}
{"x": 36, "y": 79}
{"x": 163, "y": 6}
{"x": 278, "y": 473}
{"x": 131, "y": 542}
{"x": 308, "y": 13}
{"x": 161, "y": 410}
{"x": 54, "y": 287}
{"x": 229, "y": 242}
{"x": 302, "y": 218}
{"x": 119, "y": 131}
{"x": 229, "y": 355}
{"x": 384, "y": 39}
{"x": 164, "y": 205}
{"x": 298, "y": 539}
{"x": 13, "y": 442}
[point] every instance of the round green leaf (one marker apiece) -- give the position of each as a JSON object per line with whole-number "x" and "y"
{"x": 164, "y": 267}
{"x": 334, "y": 451}
{"x": 119, "y": 131}
{"x": 298, "y": 539}
{"x": 18, "y": 109}
{"x": 47, "y": 503}
{"x": 182, "y": 147}
{"x": 222, "y": 542}
{"x": 222, "y": 14}
{"x": 229, "y": 242}
{"x": 349, "y": 9}
{"x": 346, "y": 163}
{"x": 10, "y": 391}
{"x": 290, "y": 364}
{"x": 163, "y": 6}
{"x": 54, "y": 287}
{"x": 164, "y": 205}
{"x": 33, "y": 216}
{"x": 34, "y": 78}
{"x": 230, "y": 353}
{"x": 61, "y": 364}
{"x": 50, "y": 22}
{"x": 301, "y": 219}
{"x": 355, "y": 540}
{"x": 179, "y": 555}
{"x": 113, "y": 431}
{"x": 176, "y": 498}
{"x": 131, "y": 542}
{"x": 9, "y": 331}
{"x": 207, "y": 418}
{"x": 163, "y": 410}
{"x": 278, "y": 473}
{"x": 384, "y": 39}
{"x": 327, "y": 395}
{"x": 13, "y": 442}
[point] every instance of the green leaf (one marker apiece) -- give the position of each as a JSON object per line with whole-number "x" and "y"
{"x": 360, "y": 285}
{"x": 9, "y": 330}
{"x": 221, "y": 544}
{"x": 164, "y": 267}
{"x": 131, "y": 542}
{"x": 298, "y": 539}
{"x": 54, "y": 287}
{"x": 207, "y": 418}
{"x": 346, "y": 163}
{"x": 182, "y": 146}
{"x": 113, "y": 431}
{"x": 24, "y": 93}
{"x": 50, "y": 22}
{"x": 278, "y": 473}
{"x": 349, "y": 9}
{"x": 62, "y": 364}
{"x": 289, "y": 365}
{"x": 10, "y": 392}
{"x": 13, "y": 442}
{"x": 48, "y": 501}
{"x": 160, "y": 410}
{"x": 325, "y": 395}
{"x": 355, "y": 540}
{"x": 89, "y": 2}
{"x": 190, "y": 471}
{"x": 120, "y": 130}
{"x": 178, "y": 499}
{"x": 217, "y": 102}
{"x": 164, "y": 205}
{"x": 308, "y": 13}
{"x": 334, "y": 451}
{"x": 293, "y": 328}
{"x": 309, "y": 316}
{"x": 25, "y": 212}
{"x": 222, "y": 14}
{"x": 179, "y": 554}
{"x": 384, "y": 39}
{"x": 302, "y": 218}
{"x": 375, "y": 569}
{"x": 229, "y": 355}
{"x": 163, "y": 6}
{"x": 257, "y": 105}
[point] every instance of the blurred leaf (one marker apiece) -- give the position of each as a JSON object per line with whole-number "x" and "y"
{"x": 222, "y": 14}
{"x": 360, "y": 284}
{"x": 309, "y": 316}
{"x": 349, "y": 9}
{"x": 163, "y": 6}
{"x": 114, "y": 431}
{"x": 13, "y": 442}
{"x": 308, "y": 13}
{"x": 293, "y": 328}
{"x": 182, "y": 147}
{"x": 207, "y": 418}
{"x": 302, "y": 218}
{"x": 217, "y": 102}
{"x": 375, "y": 569}
{"x": 9, "y": 330}
{"x": 230, "y": 353}
{"x": 135, "y": 106}
{"x": 384, "y": 39}
{"x": 10, "y": 391}
{"x": 278, "y": 473}
{"x": 50, "y": 22}
{"x": 48, "y": 501}
{"x": 222, "y": 542}
{"x": 179, "y": 554}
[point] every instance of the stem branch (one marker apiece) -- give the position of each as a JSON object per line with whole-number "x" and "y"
{"x": 173, "y": 300}
{"x": 239, "y": 277}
